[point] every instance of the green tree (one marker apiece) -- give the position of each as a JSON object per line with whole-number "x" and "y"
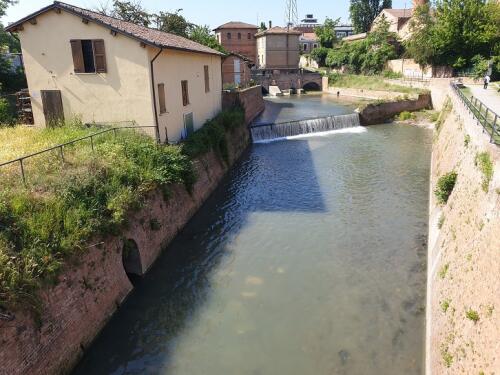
{"x": 130, "y": 11}
{"x": 421, "y": 29}
{"x": 4, "y": 4}
{"x": 263, "y": 26}
{"x": 363, "y": 12}
{"x": 326, "y": 33}
{"x": 203, "y": 35}
{"x": 173, "y": 22}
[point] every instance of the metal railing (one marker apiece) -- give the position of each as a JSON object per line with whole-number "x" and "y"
{"x": 60, "y": 148}
{"x": 485, "y": 116}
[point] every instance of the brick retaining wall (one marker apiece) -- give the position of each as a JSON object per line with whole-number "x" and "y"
{"x": 251, "y": 99}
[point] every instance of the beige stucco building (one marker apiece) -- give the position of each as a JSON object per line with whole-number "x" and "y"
{"x": 278, "y": 48}
{"x": 83, "y": 64}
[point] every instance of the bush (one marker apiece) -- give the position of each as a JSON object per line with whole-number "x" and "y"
{"x": 319, "y": 55}
{"x": 391, "y": 75}
{"x": 483, "y": 161}
{"x": 445, "y": 187}
{"x": 404, "y": 116}
{"x": 6, "y": 112}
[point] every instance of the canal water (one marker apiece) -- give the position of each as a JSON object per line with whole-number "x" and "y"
{"x": 310, "y": 258}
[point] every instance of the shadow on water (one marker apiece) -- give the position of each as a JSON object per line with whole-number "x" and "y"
{"x": 311, "y": 224}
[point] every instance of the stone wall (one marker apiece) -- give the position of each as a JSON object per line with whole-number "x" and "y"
{"x": 374, "y": 114}
{"x": 365, "y": 93}
{"x": 251, "y": 99}
{"x": 94, "y": 285}
{"x": 463, "y": 255}
{"x": 409, "y": 68}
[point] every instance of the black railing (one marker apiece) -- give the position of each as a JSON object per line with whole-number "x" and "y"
{"x": 60, "y": 147}
{"x": 485, "y": 116}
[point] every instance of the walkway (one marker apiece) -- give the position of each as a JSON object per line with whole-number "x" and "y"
{"x": 489, "y": 97}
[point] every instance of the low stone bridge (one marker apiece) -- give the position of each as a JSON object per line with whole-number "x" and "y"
{"x": 287, "y": 79}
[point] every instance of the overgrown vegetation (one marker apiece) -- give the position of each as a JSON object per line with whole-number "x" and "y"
{"x": 485, "y": 165}
{"x": 372, "y": 82}
{"x": 445, "y": 186}
{"x": 447, "y": 108}
{"x": 51, "y": 220}
{"x": 405, "y": 116}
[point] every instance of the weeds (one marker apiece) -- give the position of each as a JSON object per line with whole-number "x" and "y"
{"x": 483, "y": 161}
{"x": 445, "y": 186}
{"x": 404, "y": 116}
{"x": 444, "y": 270}
{"x": 445, "y": 305}
{"x": 467, "y": 141}
{"x": 472, "y": 315}
{"x": 447, "y": 357}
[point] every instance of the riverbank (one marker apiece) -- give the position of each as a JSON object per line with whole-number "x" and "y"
{"x": 463, "y": 263}
{"x": 92, "y": 286}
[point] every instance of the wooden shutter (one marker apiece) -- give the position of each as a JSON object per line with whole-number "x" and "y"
{"x": 99, "y": 56}
{"x": 76, "y": 50}
{"x": 185, "y": 93}
{"x": 207, "y": 79}
{"x": 161, "y": 98}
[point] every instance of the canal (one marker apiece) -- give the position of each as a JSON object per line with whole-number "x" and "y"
{"x": 310, "y": 258}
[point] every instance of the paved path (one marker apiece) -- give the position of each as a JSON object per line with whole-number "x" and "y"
{"x": 489, "y": 97}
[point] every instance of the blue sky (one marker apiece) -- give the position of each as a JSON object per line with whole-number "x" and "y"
{"x": 215, "y": 12}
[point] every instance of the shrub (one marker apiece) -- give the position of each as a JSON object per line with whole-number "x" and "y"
{"x": 404, "y": 116}
{"x": 472, "y": 315}
{"x": 445, "y": 187}
{"x": 483, "y": 161}
{"x": 319, "y": 55}
{"x": 6, "y": 113}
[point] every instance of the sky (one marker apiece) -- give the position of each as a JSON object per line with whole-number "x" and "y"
{"x": 215, "y": 12}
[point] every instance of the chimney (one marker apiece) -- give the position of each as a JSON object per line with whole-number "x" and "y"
{"x": 270, "y": 24}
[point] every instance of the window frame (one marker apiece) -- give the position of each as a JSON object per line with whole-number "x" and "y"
{"x": 79, "y": 57}
{"x": 206, "y": 74}
{"x": 185, "y": 92}
{"x": 162, "y": 101}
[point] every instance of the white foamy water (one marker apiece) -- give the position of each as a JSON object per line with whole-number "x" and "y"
{"x": 356, "y": 130}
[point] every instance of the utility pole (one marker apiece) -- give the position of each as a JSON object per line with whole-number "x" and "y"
{"x": 291, "y": 14}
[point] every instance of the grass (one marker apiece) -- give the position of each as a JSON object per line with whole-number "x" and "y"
{"x": 445, "y": 305}
{"x": 485, "y": 165}
{"x": 444, "y": 270}
{"x": 375, "y": 82}
{"x": 472, "y": 315}
{"x": 447, "y": 357}
{"x": 49, "y": 222}
{"x": 445, "y": 186}
{"x": 405, "y": 115}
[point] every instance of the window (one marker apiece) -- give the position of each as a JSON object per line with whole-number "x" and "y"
{"x": 228, "y": 35}
{"x": 249, "y": 36}
{"x": 207, "y": 79}
{"x": 305, "y": 47}
{"x": 315, "y": 46}
{"x": 185, "y": 93}
{"x": 89, "y": 56}
{"x": 161, "y": 98}
{"x": 239, "y": 36}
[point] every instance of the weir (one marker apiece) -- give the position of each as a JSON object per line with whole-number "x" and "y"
{"x": 263, "y": 132}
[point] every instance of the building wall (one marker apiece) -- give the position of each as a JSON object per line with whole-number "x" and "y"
{"x": 121, "y": 94}
{"x": 230, "y": 71}
{"x": 279, "y": 51}
{"x": 171, "y": 68}
{"x": 244, "y": 46}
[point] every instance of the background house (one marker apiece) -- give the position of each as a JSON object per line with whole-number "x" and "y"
{"x": 278, "y": 48}
{"x": 236, "y": 71}
{"x": 101, "y": 69}
{"x": 238, "y": 37}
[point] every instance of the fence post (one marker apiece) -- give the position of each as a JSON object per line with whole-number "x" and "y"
{"x": 493, "y": 129}
{"x": 22, "y": 171}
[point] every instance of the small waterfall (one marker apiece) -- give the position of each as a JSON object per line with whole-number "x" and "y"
{"x": 263, "y": 132}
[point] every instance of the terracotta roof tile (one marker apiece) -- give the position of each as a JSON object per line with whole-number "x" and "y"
{"x": 148, "y": 36}
{"x": 236, "y": 25}
{"x": 279, "y": 30}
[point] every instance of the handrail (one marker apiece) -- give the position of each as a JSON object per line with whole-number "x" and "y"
{"x": 21, "y": 159}
{"x": 491, "y": 128}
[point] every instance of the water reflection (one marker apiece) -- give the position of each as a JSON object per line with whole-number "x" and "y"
{"x": 309, "y": 259}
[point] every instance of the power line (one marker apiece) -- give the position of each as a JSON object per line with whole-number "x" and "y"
{"x": 291, "y": 13}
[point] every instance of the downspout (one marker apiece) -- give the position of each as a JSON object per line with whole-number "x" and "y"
{"x": 157, "y": 123}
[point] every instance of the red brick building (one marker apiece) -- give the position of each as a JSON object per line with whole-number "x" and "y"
{"x": 238, "y": 37}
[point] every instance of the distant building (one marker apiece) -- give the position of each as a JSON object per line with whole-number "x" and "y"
{"x": 399, "y": 21}
{"x": 236, "y": 71}
{"x": 308, "y": 24}
{"x": 278, "y": 48}
{"x": 343, "y": 31}
{"x": 238, "y": 37}
{"x": 308, "y": 42}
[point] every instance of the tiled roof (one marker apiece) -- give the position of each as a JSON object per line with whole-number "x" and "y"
{"x": 146, "y": 35}
{"x": 278, "y": 30}
{"x": 236, "y": 25}
{"x": 309, "y": 36}
{"x": 400, "y": 13}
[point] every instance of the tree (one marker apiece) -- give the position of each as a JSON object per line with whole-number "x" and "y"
{"x": 4, "y": 4}
{"x": 263, "y": 26}
{"x": 203, "y": 35}
{"x": 173, "y": 22}
{"x": 130, "y": 11}
{"x": 326, "y": 33}
{"x": 363, "y": 12}
{"x": 421, "y": 30}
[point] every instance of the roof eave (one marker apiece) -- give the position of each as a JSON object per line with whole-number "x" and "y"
{"x": 12, "y": 28}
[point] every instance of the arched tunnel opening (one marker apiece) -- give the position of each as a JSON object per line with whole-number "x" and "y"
{"x": 131, "y": 259}
{"x": 312, "y": 86}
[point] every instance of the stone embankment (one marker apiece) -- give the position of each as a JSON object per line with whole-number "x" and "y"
{"x": 379, "y": 113}
{"x": 463, "y": 291}
{"x": 91, "y": 290}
